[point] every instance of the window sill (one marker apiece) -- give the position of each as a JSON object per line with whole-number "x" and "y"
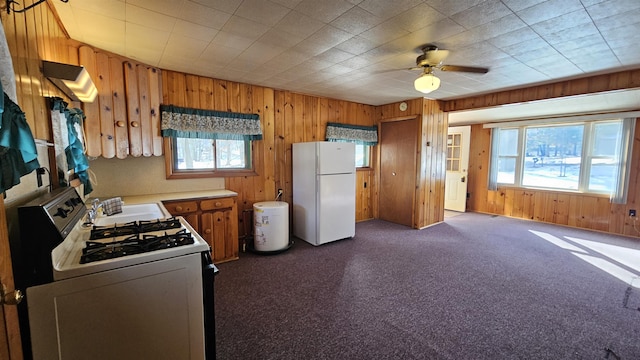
{"x": 210, "y": 174}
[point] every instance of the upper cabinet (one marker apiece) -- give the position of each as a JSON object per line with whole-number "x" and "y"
{"x": 125, "y": 117}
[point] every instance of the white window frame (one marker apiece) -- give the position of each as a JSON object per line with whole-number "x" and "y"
{"x": 617, "y": 195}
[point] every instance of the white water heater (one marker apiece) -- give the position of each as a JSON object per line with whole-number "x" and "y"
{"x": 271, "y": 225}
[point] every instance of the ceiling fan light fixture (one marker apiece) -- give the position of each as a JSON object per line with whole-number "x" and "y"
{"x": 427, "y": 83}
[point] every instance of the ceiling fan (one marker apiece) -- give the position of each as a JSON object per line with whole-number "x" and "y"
{"x": 432, "y": 59}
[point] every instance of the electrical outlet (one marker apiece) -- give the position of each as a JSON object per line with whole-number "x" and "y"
{"x": 632, "y": 213}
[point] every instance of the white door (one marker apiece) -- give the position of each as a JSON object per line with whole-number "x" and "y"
{"x": 455, "y": 197}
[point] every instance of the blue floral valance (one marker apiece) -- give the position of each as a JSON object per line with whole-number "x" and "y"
{"x": 209, "y": 124}
{"x": 364, "y": 135}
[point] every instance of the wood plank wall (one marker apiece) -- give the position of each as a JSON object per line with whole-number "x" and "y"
{"x": 32, "y": 36}
{"x": 576, "y": 210}
{"x": 286, "y": 118}
{"x": 429, "y": 197}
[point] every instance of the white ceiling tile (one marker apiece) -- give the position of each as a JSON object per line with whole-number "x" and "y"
{"x": 148, "y": 18}
{"x": 246, "y": 28}
{"x": 228, "y": 6}
{"x": 325, "y": 10}
{"x": 387, "y": 9}
{"x": 203, "y": 15}
{"x": 417, "y": 17}
{"x": 364, "y": 53}
{"x": 610, "y": 8}
{"x": 299, "y": 24}
{"x": 569, "y": 22}
{"x": 482, "y": 13}
{"x": 262, "y": 11}
{"x": 232, "y": 40}
{"x": 548, "y": 10}
{"x": 356, "y": 20}
{"x": 357, "y": 45}
{"x": 166, "y": 7}
{"x": 385, "y": 32}
{"x": 194, "y": 31}
{"x": 450, "y": 7}
{"x": 517, "y": 5}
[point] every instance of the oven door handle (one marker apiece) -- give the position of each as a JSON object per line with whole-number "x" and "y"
{"x": 209, "y": 271}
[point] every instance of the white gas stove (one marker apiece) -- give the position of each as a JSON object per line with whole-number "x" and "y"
{"x": 88, "y": 250}
{"x": 140, "y": 290}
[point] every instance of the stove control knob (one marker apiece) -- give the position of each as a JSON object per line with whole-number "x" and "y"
{"x": 61, "y": 212}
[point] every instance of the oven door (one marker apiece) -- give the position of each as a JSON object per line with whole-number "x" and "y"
{"x": 147, "y": 311}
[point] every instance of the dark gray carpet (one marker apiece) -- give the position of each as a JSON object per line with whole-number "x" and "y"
{"x": 474, "y": 287}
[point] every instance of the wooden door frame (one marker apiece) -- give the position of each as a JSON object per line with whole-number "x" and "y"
{"x": 10, "y": 335}
{"x": 417, "y": 117}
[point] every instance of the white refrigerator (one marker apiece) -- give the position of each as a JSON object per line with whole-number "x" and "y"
{"x": 324, "y": 191}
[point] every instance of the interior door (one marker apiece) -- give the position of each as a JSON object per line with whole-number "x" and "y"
{"x": 398, "y": 149}
{"x": 10, "y": 346}
{"x": 455, "y": 197}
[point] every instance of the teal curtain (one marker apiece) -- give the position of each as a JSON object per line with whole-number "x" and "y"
{"x": 76, "y": 158}
{"x": 363, "y": 135}
{"x": 18, "y": 154}
{"x": 209, "y": 124}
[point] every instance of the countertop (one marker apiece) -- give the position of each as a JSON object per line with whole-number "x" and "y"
{"x": 154, "y": 198}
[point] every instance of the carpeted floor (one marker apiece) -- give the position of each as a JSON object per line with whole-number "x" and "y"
{"x": 474, "y": 287}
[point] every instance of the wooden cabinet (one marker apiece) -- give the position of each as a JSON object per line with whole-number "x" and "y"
{"x": 125, "y": 117}
{"x": 215, "y": 219}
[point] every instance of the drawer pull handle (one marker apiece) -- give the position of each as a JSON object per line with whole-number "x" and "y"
{"x": 218, "y": 203}
{"x": 178, "y": 208}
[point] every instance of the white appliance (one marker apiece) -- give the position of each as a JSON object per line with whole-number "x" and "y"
{"x": 141, "y": 290}
{"x": 324, "y": 191}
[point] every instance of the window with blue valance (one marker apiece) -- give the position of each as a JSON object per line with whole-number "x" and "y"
{"x": 363, "y": 135}
{"x": 180, "y": 122}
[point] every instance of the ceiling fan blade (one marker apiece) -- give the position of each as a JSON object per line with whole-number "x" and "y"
{"x": 470, "y": 69}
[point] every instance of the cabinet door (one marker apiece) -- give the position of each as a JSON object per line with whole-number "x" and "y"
{"x": 220, "y": 230}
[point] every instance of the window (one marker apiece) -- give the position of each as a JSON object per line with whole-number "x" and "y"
{"x": 207, "y": 154}
{"x": 208, "y": 143}
{"x": 583, "y": 156}
{"x": 363, "y": 154}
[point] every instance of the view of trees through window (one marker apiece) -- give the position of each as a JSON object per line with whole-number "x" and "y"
{"x": 584, "y": 156}
{"x": 197, "y": 154}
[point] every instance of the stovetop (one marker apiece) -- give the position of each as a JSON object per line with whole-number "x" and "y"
{"x": 96, "y": 249}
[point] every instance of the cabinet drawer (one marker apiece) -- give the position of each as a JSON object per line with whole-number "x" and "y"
{"x": 219, "y": 203}
{"x": 183, "y": 207}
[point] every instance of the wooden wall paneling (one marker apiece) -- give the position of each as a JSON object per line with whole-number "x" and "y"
{"x": 97, "y": 138}
{"x": 192, "y": 91}
{"x": 597, "y": 83}
{"x": 132, "y": 100}
{"x": 323, "y": 119}
{"x": 562, "y": 209}
{"x": 539, "y": 206}
{"x": 121, "y": 130}
{"x": 424, "y": 168}
{"x": 220, "y": 95}
{"x": 145, "y": 109}
{"x": 255, "y": 184}
{"x": 20, "y": 65}
{"x": 173, "y": 85}
{"x": 298, "y": 118}
{"x": 575, "y": 206}
{"x": 269, "y": 148}
{"x": 601, "y": 213}
{"x": 205, "y": 93}
{"x": 155, "y": 97}
{"x": 587, "y": 212}
{"x": 279, "y": 144}
{"x": 289, "y": 139}
{"x": 42, "y": 129}
{"x": 105, "y": 97}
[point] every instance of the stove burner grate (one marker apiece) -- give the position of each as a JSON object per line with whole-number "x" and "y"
{"x": 134, "y": 244}
{"x": 134, "y": 227}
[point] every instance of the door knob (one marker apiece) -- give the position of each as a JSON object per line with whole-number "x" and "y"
{"x": 463, "y": 179}
{"x": 10, "y": 297}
